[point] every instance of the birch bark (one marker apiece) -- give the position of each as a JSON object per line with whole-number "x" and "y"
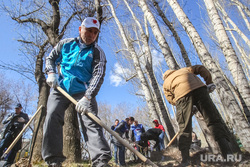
{"x": 215, "y": 18}
{"x": 150, "y": 73}
{"x": 233, "y": 62}
{"x": 238, "y": 3}
{"x": 138, "y": 68}
{"x": 175, "y": 34}
{"x": 169, "y": 58}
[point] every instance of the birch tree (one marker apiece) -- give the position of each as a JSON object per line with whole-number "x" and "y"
{"x": 212, "y": 10}
{"x": 138, "y": 68}
{"x": 244, "y": 17}
{"x": 245, "y": 8}
{"x": 5, "y": 97}
{"x": 167, "y": 53}
{"x": 236, "y": 117}
{"x": 174, "y": 32}
{"x": 229, "y": 53}
{"x": 242, "y": 54}
{"x": 151, "y": 76}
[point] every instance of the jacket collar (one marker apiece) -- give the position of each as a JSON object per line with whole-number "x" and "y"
{"x": 82, "y": 45}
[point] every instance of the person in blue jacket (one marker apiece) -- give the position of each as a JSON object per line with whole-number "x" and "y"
{"x": 13, "y": 126}
{"x": 137, "y": 130}
{"x": 81, "y": 68}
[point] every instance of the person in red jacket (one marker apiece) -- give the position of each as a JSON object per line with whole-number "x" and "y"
{"x": 161, "y": 145}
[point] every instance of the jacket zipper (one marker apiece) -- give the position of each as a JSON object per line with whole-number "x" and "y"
{"x": 77, "y": 57}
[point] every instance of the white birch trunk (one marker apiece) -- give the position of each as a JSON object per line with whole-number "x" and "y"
{"x": 237, "y": 119}
{"x": 238, "y": 3}
{"x": 243, "y": 55}
{"x": 137, "y": 65}
{"x": 233, "y": 62}
{"x": 175, "y": 34}
{"x": 169, "y": 58}
{"x": 244, "y": 17}
{"x": 216, "y": 19}
{"x": 151, "y": 76}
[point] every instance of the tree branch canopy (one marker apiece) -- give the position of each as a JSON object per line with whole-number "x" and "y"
{"x": 31, "y": 20}
{"x": 68, "y": 21}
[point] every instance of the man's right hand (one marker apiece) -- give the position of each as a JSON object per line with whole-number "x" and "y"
{"x": 83, "y": 105}
{"x": 10, "y": 118}
{"x": 52, "y": 80}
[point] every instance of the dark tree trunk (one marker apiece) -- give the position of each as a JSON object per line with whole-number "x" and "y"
{"x": 72, "y": 136}
{"x": 43, "y": 98}
{"x": 213, "y": 145}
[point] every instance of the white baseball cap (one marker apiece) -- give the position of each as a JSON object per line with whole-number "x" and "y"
{"x": 89, "y": 22}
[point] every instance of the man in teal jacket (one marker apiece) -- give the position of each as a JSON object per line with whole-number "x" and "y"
{"x": 82, "y": 65}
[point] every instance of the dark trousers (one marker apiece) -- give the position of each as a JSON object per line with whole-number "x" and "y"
{"x": 120, "y": 149}
{"x": 161, "y": 145}
{"x": 52, "y": 146}
{"x": 5, "y": 143}
{"x": 201, "y": 99}
{"x": 138, "y": 147}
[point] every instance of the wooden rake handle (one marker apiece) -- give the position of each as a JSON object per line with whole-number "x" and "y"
{"x": 172, "y": 140}
{"x": 113, "y": 133}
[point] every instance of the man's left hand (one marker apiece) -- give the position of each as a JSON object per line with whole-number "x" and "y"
{"x": 83, "y": 105}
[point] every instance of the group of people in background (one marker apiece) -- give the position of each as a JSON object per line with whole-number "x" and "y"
{"x": 135, "y": 134}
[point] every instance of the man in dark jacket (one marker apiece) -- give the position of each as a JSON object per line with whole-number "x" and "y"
{"x": 151, "y": 134}
{"x": 116, "y": 123}
{"x": 13, "y": 126}
{"x": 122, "y": 129}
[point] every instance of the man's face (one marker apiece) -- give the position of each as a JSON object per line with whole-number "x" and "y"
{"x": 88, "y": 35}
{"x": 136, "y": 123}
{"x": 116, "y": 123}
{"x": 130, "y": 122}
{"x": 18, "y": 110}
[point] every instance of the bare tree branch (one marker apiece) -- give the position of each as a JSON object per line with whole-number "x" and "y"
{"x": 68, "y": 21}
{"x": 16, "y": 69}
{"x": 31, "y": 20}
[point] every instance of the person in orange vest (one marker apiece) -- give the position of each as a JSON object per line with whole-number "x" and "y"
{"x": 161, "y": 145}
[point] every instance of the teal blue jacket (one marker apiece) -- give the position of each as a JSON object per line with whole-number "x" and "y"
{"x": 81, "y": 67}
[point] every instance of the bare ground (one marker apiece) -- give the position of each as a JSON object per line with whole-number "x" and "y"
{"x": 168, "y": 158}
